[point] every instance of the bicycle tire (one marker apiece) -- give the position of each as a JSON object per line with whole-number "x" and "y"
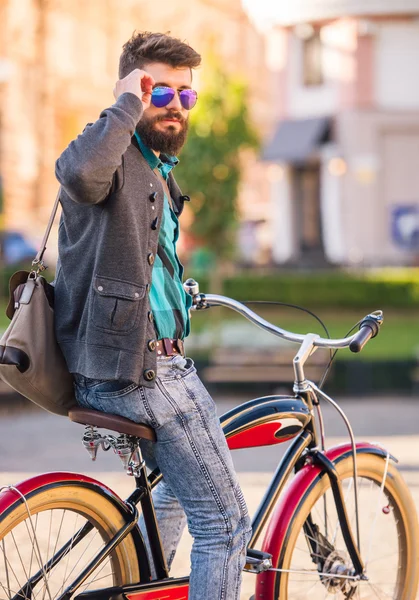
{"x": 82, "y": 502}
{"x": 371, "y": 468}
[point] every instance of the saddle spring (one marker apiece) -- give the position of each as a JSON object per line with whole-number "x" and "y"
{"x": 127, "y": 447}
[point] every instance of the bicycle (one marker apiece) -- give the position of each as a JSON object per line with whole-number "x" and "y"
{"x": 346, "y": 525}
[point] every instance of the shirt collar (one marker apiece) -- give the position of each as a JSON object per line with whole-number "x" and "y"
{"x": 163, "y": 162}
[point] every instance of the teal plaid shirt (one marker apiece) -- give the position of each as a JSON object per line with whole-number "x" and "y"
{"x": 168, "y": 300}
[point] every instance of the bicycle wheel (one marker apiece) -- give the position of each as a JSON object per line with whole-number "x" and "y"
{"x": 58, "y": 512}
{"x": 314, "y": 549}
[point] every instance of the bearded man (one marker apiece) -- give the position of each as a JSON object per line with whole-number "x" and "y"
{"x": 121, "y": 311}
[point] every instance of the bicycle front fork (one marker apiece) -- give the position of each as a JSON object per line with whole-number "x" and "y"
{"x": 319, "y": 459}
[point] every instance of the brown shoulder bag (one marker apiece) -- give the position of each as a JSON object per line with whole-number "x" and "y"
{"x": 31, "y": 361}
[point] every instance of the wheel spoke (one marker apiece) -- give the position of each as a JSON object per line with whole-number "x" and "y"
{"x": 5, "y": 565}
{"x": 374, "y": 589}
{"x": 20, "y": 557}
{"x": 69, "y": 552}
{"x": 80, "y": 557}
{"x": 96, "y": 579}
{"x": 47, "y": 556}
{"x": 32, "y": 552}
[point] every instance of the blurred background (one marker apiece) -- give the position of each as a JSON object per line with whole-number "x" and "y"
{"x": 303, "y": 170}
{"x": 302, "y": 163}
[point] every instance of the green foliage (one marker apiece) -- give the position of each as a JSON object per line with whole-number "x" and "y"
{"x": 375, "y": 290}
{"x": 210, "y": 167}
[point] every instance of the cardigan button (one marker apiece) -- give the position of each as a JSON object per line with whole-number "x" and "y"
{"x": 150, "y": 258}
{"x": 185, "y": 198}
{"x": 151, "y": 345}
{"x": 149, "y": 374}
{"x": 154, "y": 224}
{"x": 153, "y": 196}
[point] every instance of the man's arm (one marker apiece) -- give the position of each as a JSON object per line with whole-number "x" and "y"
{"x": 86, "y": 167}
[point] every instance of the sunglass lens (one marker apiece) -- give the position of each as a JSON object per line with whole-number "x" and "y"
{"x": 188, "y": 99}
{"x": 161, "y": 96}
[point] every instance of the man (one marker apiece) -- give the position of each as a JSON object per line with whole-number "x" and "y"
{"x": 122, "y": 314}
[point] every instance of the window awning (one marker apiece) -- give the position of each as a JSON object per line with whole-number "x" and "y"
{"x": 295, "y": 140}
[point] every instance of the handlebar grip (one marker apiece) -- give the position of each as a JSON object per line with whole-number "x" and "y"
{"x": 361, "y": 338}
{"x": 370, "y": 326}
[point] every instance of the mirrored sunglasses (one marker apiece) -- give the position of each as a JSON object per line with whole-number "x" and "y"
{"x": 162, "y": 96}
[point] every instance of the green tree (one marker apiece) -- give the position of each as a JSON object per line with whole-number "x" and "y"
{"x": 210, "y": 168}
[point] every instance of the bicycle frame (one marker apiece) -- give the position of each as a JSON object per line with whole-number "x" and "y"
{"x": 302, "y": 457}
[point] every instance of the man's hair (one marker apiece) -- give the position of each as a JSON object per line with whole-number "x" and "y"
{"x": 145, "y": 47}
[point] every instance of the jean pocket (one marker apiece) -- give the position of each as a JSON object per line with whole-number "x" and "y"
{"x": 82, "y": 396}
{"x": 112, "y": 389}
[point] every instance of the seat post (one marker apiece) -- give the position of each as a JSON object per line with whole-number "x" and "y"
{"x": 150, "y": 520}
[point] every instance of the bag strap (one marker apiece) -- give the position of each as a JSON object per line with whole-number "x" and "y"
{"x": 37, "y": 261}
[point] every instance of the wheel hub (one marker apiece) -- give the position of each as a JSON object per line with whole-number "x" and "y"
{"x": 339, "y": 565}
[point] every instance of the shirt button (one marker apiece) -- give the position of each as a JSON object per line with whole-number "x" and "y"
{"x": 136, "y": 295}
{"x": 151, "y": 344}
{"x": 147, "y": 288}
{"x": 153, "y": 196}
{"x": 149, "y": 374}
{"x": 100, "y": 288}
{"x": 150, "y": 259}
{"x": 185, "y": 198}
{"x": 150, "y": 316}
{"x": 154, "y": 223}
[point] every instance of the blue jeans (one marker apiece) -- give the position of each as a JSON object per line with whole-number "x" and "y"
{"x": 198, "y": 474}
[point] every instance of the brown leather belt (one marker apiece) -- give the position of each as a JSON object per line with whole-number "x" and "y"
{"x": 169, "y": 347}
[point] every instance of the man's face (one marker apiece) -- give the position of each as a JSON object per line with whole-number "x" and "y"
{"x": 165, "y": 129}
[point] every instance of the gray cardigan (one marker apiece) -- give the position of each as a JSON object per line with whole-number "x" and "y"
{"x": 112, "y": 205}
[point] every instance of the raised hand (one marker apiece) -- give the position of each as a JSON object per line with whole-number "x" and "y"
{"x": 137, "y": 82}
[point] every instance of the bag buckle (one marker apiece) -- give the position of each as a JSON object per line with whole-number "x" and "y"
{"x": 39, "y": 266}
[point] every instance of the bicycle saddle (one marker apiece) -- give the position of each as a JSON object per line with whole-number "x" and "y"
{"x": 95, "y": 418}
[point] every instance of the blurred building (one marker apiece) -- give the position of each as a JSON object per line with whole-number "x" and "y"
{"x": 58, "y": 67}
{"x": 344, "y": 159}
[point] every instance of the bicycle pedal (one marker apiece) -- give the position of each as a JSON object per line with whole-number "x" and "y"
{"x": 257, "y": 561}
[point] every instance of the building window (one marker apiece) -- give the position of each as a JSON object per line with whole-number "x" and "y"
{"x": 312, "y": 57}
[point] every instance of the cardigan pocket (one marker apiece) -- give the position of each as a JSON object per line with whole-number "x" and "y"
{"x": 116, "y": 304}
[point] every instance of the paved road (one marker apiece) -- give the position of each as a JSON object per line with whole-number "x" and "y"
{"x": 33, "y": 441}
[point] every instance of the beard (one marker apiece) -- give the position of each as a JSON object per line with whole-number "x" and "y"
{"x": 168, "y": 142}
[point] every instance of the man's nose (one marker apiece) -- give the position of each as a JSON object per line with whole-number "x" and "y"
{"x": 175, "y": 103}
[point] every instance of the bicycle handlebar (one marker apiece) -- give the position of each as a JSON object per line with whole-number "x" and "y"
{"x": 369, "y": 327}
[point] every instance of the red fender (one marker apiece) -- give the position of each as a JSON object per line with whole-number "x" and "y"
{"x": 8, "y": 496}
{"x": 286, "y": 507}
